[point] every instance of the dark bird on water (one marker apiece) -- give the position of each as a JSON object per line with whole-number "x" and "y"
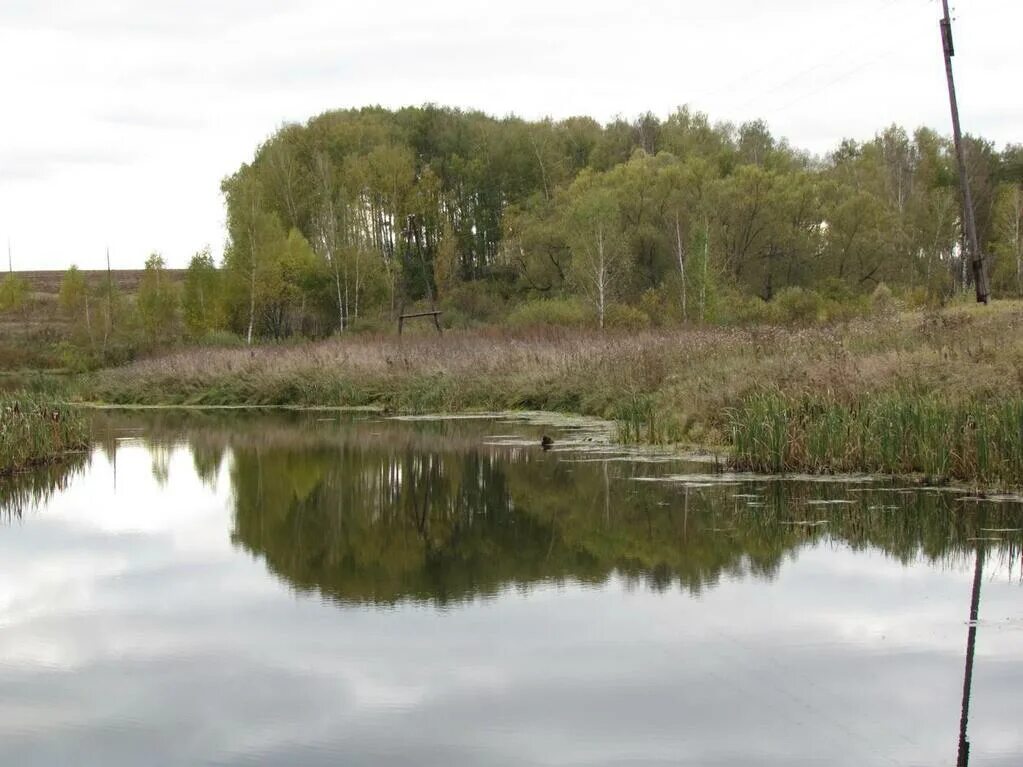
{"x": 546, "y": 443}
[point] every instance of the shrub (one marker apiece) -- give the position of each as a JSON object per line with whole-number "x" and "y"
{"x": 625, "y": 317}
{"x": 74, "y": 358}
{"x": 882, "y": 301}
{"x": 751, "y": 311}
{"x": 13, "y": 293}
{"x": 662, "y": 305}
{"x": 798, "y": 307}
{"x": 470, "y": 303}
{"x": 834, "y": 289}
{"x": 566, "y": 312}
{"x": 855, "y": 307}
{"x": 375, "y": 324}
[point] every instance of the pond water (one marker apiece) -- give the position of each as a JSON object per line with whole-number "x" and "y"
{"x": 316, "y": 589}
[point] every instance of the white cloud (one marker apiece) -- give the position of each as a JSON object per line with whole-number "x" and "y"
{"x": 123, "y": 117}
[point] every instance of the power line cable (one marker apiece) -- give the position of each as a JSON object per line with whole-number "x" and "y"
{"x": 840, "y": 78}
{"x": 767, "y": 67}
{"x": 822, "y": 63}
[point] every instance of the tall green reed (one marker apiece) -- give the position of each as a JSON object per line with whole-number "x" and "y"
{"x": 898, "y": 433}
{"x": 35, "y": 431}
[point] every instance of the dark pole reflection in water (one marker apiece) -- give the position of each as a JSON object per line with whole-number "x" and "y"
{"x": 971, "y": 643}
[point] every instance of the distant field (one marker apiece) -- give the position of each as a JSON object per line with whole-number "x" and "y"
{"x": 30, "y": 338}
{"x": 47, "y": 283}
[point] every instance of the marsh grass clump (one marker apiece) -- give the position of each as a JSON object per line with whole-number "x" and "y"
{"x": 635, "y": 420}
{"x": 640, "y": 420}
{"x": 36, "y": 431}
{"x": 896, "y": 433}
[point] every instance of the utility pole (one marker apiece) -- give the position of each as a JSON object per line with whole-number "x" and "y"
{"x": 969, "y": 220}
{"x": 108, "y": 330}
{"x": 110, "y": 284}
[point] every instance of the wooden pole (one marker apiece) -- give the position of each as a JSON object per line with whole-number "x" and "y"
{"x": 110, "y": 304}
{"x": 973, "y": 253}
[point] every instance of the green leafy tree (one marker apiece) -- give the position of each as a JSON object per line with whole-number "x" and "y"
{"x": 13, "y": 293}
{"x": 202, "y": 296}
{"x": 75, "y": 302}
{"x": 536, "y": 246}
{"x": 593, "y": 222}
{"x": 157, "y": 301}
{"x": 114, "y": 327}
{"x": 255, "y": 238}
{"x": 288, "y": 275}
{"x": 496, "y": 201}
{"x": 704, "y": 281}
{"x": 682, "y": 201}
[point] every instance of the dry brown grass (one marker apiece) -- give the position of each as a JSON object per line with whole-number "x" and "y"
{"x": 685, "y": 378}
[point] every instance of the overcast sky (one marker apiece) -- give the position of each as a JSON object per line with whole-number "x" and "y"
{"x": 122, "y": 116}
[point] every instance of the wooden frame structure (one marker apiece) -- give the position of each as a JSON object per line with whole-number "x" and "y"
{"x": 413, "y": 244}
{"x": 435, "y": 314}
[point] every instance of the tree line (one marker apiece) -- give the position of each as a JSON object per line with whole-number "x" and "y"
{"x": 341, "y": 222}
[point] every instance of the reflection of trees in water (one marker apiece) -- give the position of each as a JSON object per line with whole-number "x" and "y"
{"x": 377, "y": 527}
{"x": 160, "y": 455}
{"x": 383, "y": 511}
{"x": 373, "y": 526}
{"x": 207, "y": 460}
{"x": 33, "y": 488}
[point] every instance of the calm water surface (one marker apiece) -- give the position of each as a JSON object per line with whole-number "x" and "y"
{"x": 315, "y": 590}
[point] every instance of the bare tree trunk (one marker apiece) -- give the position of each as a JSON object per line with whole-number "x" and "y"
{"x": 252, "y": 274}
{"x": 348, "y": 300}
{"x": 601, "y": 277}
{"x": 283, "y": 163}
{"x": 88, "y": 321}
{"x": 706, "y": 259}
{"x": 680, "y": 252}
{"x": 252, "y": 304}
{"x": 340, "y": 302}
{"x": 1019, "y": 242}
{"x": 358, "y": 280}
{"x": 543, "y": 170}
{"x": 109, "y": 325}
{"x": 328, "y": 235}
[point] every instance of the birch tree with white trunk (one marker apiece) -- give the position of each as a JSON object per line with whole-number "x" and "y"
{"x": 599, "y": 260}
{"x": 329, "y": 228}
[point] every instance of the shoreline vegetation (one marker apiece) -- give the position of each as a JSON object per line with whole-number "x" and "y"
{"x": 696, "y": 282}
{"x": 935, "y": 394}
{"x": 35, "y": 432}
{"x": 343, "y": 223}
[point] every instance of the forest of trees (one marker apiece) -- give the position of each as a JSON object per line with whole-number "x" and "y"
{"x": 340, "y": 223}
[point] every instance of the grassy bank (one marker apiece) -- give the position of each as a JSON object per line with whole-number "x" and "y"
{"x": 34, "y": 432}
{"x": 898, "y": 433}
{"x": 696, "y": 386}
